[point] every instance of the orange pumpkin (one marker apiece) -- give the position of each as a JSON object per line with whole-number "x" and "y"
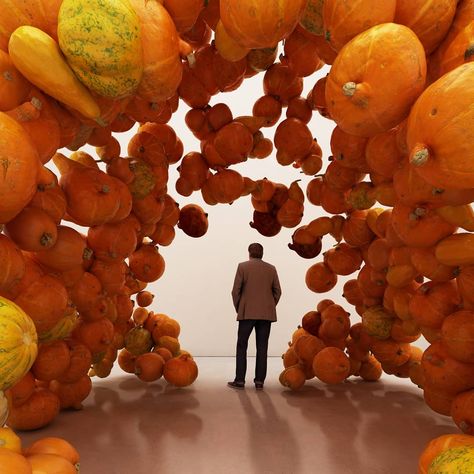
{"x": 439, "y": 151}
{"x": 149, "y": 366}
{"x": 293, "y": 377}
{"x": 162, "y": 70}
{"x": 14, "y": 462}
{"x": 364, "y": 99}
{"x": 457, "y": 332}
{"x": 52, "y": 361}
{"x": 430, "y": 20}
{"x": 320, "y": 278}
{"x": 180, "y": 371}
{"x": 343, "y": 21}
{"x": 16, "y": 187}
{"x": 462, "y": 410}
{"x": 39, "y": 410}
{"x": 262, "y": 23}
{"x": 331, "y": 365}
{"x": 57, "y": 446}
{"x": 440, "y": 444}
{"x": 71, "y": 395}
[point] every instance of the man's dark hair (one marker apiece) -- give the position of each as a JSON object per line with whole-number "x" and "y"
{"x": 256, "y": 250}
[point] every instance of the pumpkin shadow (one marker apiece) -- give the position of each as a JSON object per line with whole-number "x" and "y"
{"x": 373, "y": 422}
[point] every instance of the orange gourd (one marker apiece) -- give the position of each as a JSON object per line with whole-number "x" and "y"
{"x": 262, "y": 23}
{"x": 162, "y": 68}
{"x": 180, "y": 371}
{"x": 462, "y": 410}
{"x": 343, "y": 21}
{"x": 146, "y": 263}
{"x": 39, "y": 410}
{"x": 457, "y": 333}
{"x": 366, "y": 100}
{"x": 430, "y": 20}
{"x": 438, "y": 152}
{"x": 71, "y": 395}
{"x": 52, "y": 361}
{"x": 331, "y": 365}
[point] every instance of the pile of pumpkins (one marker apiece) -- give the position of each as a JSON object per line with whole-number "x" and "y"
{"x": 397, "y": 189}
{"x": 45, "y": 455}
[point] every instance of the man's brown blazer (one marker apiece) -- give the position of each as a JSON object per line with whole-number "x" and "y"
{"x": 256, "y": 290}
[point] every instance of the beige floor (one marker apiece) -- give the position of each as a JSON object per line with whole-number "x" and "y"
{"x": 356, "y": 428}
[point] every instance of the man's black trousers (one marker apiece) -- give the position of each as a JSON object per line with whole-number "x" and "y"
{"x": 262, "y": 333}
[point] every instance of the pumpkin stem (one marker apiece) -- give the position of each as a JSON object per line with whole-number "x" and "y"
{"x": 46, "y": 240}
{"x": 349, "y": 89}
{"x": 420, "y": 157}
{"x": 105, "y": 189}
{"x": 8, "y": 76}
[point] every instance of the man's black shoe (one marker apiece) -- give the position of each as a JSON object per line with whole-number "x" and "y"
{"x": 258, "y": 386}
{"x": 238, "y": 385}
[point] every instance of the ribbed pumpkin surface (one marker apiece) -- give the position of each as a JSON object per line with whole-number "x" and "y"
{"x": 101, "y": 42}
{"x": 18, "y": 343}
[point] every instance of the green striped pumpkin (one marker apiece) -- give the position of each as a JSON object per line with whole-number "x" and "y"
{"x": 18, "y": 343}
{"x": 458, "y": 460}
{"x": 62, "y": 329}
{"x": 101, "y": 41}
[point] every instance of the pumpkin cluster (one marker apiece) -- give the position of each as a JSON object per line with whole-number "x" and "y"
{"x": 49, "y": 454}
{"x": 79, "y": 246}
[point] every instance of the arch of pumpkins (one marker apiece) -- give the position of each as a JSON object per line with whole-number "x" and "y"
{"x": 77, "y": 72}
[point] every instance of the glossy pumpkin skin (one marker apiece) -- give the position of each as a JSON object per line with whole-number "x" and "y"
{"x": 162, "y": 68}
{"x": 440, "y": 131}
{"x": 38, "y": 411}
{"x": 343, "y": 21}
{"x": 30, "y": 49}
{"x": 14, "y": 462}
{"x": 52, "y": 445}
{"x": 363, "y": 98}
{"x": 46, "y": 462}
{"x": 180, "y": 371}
{"x": 18, "y": 341}
{"x": 21, "y": 164}
{"x": 429, "y": 19}
{"x": 260, "y": 23}
{"x": 42, "y": 14}
{"x": 83, "y": 26}
{"x": 440, "y": 444}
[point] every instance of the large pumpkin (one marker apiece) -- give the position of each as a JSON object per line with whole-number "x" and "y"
{"x": 429, "y": 19}
{"x": 375, "y": 79}
{"x": 20, "y": 166}
{"x": 343, "y": 20}
{"x": 260, "y": 23}
{"x": 84, "y": 27}
{"x": 40, "y": 13}
{"x": 440, "y": 130}
{"x": 439, "y": 445}
{"x": 180, "y": 371}
{"x": 18, "y": 343}
{"x": 160, "y": 43}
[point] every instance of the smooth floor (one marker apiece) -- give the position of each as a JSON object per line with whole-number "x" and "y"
{"x": 128, "y": 426}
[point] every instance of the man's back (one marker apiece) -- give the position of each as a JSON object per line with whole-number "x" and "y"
{"x": 256, "y": 290}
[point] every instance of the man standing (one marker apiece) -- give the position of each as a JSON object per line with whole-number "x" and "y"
{"x": 255, "y": 294}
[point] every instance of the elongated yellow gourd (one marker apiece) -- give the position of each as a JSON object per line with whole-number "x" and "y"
{"x": 38, "y": 57}
{"x": 18, "y": 343}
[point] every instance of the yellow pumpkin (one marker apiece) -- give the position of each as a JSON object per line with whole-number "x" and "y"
{"x": 85, "y": 27}
{"x": 38, "y": 57}
{"x": 10, "y": 440}
{"x": 18, "y": 343}
{"x": 458, "y": 460}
